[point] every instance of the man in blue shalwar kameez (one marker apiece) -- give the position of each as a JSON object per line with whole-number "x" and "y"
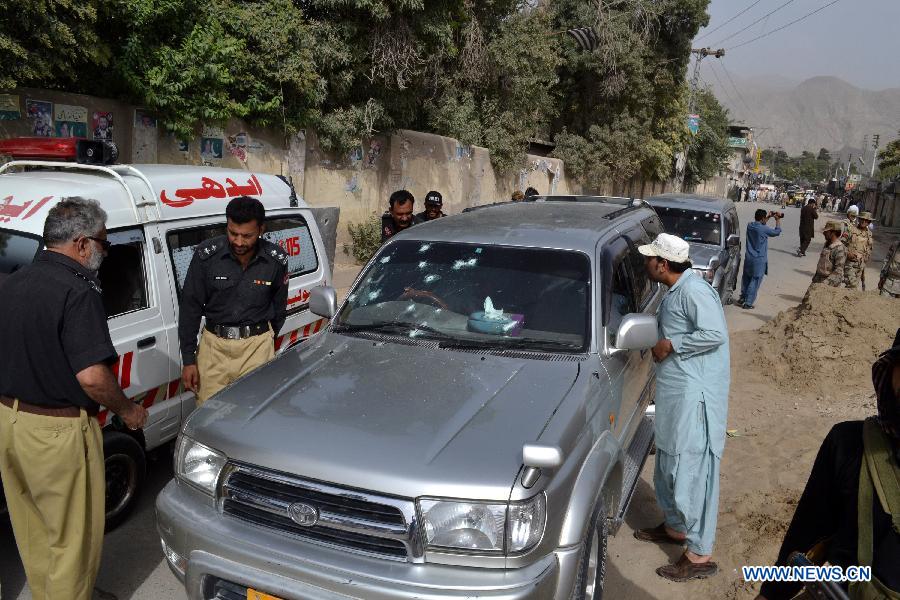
{"x": 756, "y": 257}
{"x": 693, "y": 377}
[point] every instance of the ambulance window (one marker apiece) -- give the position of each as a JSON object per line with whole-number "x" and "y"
{"x": 16, "y": 251}
{"x": 292, "y": 234}
{"x": 123, "y": 274}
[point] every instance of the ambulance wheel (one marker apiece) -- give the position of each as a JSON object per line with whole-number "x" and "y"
{"x": 126, "y": 468}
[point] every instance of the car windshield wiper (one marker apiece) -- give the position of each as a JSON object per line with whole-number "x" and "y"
{"x": 394, "y": 327}
{"x": 513, "y": 344}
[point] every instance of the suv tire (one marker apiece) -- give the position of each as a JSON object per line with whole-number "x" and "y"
{"x": 126, "y": 469}
{"x": 592, "y": 566}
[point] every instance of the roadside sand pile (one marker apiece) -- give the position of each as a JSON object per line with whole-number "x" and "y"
{"x": 828, "y": 342}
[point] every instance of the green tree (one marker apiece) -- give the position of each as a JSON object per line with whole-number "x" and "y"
{"x": 889, "y": 165}
{"x": 824, "y": 154}
{"x": 48, "y": 43}
{"x": 203, "y": 62}
{"x": 709, "y": 150}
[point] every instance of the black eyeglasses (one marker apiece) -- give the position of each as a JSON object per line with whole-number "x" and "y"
{"x": 105, "y": 244}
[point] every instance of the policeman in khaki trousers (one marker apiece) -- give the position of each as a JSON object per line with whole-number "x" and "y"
{"x": 55, "y": 358}
{"x": 239, "y": 282}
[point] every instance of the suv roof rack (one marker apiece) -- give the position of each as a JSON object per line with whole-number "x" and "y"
{"x": 114, "y": 171}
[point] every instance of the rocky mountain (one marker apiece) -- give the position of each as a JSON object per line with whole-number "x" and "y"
{"x": 821, "y": 112}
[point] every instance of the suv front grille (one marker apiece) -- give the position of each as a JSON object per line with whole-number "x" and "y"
{"x": 347, "y": 519}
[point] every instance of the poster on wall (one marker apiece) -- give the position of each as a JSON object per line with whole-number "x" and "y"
{"x": 102, "y": 123}
{"x": 40, "y": 113}
{"x": 145, "y": 137}
{"x": 211, "y": 148}
{"x": 71, "y": 121}
{"x": 9, "y": 107}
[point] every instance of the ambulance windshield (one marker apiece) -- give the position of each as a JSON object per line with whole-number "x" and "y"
{"x": 16, "y": 251}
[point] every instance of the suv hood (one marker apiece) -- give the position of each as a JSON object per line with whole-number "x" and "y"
{"x": 398, "y": 419}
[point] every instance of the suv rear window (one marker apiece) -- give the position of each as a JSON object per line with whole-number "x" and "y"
{"x": 692, "y": 225}
{"x": 291, "y": 233}
{"x": 16, "y": 251}
{"x": 475, "y": 296}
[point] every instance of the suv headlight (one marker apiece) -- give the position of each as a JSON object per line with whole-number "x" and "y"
{"x": 198, "y": 465}
{"x": 481, "y": 527}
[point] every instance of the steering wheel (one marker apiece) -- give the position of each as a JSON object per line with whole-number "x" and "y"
{"x": 414, "y": 294}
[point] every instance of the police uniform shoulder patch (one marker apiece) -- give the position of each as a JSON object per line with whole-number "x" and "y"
{"x": 275, "y": 251}
{"x": 208, "y": 248}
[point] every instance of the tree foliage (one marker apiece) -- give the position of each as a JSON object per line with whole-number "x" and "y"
{"x": 495, "y": 73}
{"x": 889, "y": 165}
{"x": 709, "y": 150}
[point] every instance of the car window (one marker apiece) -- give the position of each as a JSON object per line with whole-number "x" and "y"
{"x": 622, "y": 299}
{"x": 480, "y": 295}
{"x": 652, "y": 226}
{"x": 291, "y": 233}
{"x": 123, "y": 274}
{"x": 16, "y": 251}
{"x": 704, "y": 227}
{"x": 642, "y": 287}
{"x": 730, "y": 224}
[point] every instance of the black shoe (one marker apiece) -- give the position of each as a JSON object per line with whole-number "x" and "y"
{"x": 747, "y": 306}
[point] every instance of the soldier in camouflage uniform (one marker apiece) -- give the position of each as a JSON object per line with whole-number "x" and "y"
{"x": 859, "y": 251}
{"x": 830, "y": 269}
{"x": 889, "y": 283}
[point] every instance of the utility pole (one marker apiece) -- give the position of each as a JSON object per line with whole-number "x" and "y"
{"x": 875, "y": 138}
{"x": 681, "y": 158}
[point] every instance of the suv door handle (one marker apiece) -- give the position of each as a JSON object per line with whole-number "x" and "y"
{"x": 146, "y": 342}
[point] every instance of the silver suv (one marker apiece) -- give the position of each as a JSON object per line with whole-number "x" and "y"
{"x": 471, "y": 423}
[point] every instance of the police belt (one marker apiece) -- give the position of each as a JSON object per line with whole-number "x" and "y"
{"x": 237, "y": 332}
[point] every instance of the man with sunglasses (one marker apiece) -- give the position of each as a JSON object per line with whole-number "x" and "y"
{"x": 55, "y": 373}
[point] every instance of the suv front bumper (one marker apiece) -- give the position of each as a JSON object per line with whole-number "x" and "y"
{"x": 217, "y": 548}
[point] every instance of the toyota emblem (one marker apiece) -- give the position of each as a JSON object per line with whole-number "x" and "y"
{"x": 303, "y": 514}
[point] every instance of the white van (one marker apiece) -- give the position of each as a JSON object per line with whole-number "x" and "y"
{"x": 157, "y": 215}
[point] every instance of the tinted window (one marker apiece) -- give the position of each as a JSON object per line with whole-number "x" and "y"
{"x": 16, "y": 251}
{"x": 692, "y": 225}
{"x": 492, "y": 296}
{"x": 123, "y": 274}
{"x": 622, "y": 300}
{"x": 291, "y": 233}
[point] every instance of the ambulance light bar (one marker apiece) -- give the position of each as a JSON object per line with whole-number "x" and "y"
{"x": 86, "y": 152}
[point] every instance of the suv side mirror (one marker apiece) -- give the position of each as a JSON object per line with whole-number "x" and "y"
{"x": 733, "y": 240}
{"x": 637, "y": 331}
{"x": 323, "y": 301}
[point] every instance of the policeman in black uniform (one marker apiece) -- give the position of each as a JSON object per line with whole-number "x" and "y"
{"x": 239, "y": 282}
{"x": 55, "y": 359}
{"x": 400, "y": 215}
{"x": 433, "y": 204}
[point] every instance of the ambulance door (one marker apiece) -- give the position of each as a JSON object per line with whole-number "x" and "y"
{"x": 296, "y": 233}
{"x": 132, "y": 290}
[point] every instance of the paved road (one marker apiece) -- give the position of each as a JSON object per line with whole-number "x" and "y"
{"x": 133, "y": 564}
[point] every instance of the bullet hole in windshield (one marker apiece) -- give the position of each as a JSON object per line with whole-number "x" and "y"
{"x": 431, "y": 278}
{"x": 423, "y": 264}
{"x": 411, "y": 307}
{"x": 374, "y": 294}
{"x": 351, "y": 297}
{"x": 385, "y": 260}
{"x": 464, "y": 264}
{"x": 424, "y": 247}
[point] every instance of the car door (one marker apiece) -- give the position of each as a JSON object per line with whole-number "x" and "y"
{"x": 132, "y": 292}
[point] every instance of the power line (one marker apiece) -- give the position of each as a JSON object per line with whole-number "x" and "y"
{"x": 722, "y": 87}
{"x": 750, "y": 112}
{"x": 729, "y": 20}
{"x": 739, "y": 31}
{"x": 786, "y": 25}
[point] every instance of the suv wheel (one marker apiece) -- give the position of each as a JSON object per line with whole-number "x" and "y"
{"x": 592, "y": 566}
{"x": 125, "y": 471}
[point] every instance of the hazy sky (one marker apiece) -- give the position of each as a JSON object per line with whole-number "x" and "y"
{"x": 856, "y": 40}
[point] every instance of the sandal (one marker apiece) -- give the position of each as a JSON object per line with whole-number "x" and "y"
{"x": 657, "y": 535}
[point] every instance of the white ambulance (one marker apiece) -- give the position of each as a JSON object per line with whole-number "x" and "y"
{"x": 157, "y": 214}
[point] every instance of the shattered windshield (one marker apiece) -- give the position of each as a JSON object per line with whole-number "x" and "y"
{"x": 464, "y": 295}
{"x": 692, "y": 225}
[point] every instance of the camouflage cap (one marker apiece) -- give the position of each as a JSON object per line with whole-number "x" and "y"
{"x": 833, "y": 226}
{"x": 866, "y": 216}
